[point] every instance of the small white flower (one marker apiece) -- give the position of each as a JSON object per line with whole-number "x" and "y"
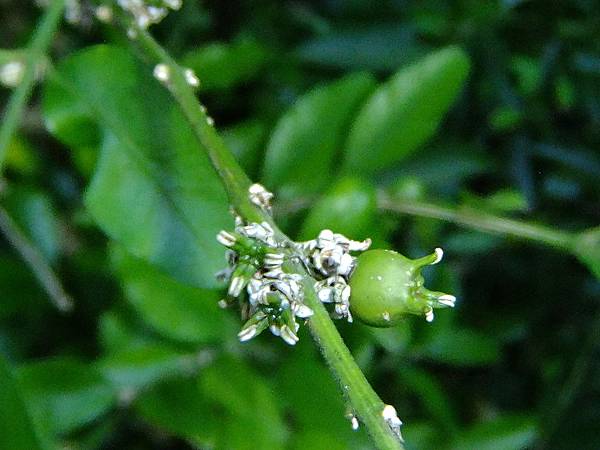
{"x": 173, "y": 4}
{"x": 391, "y": 417}
{"x": 260, "y": 196}
{"x": 11, "y": 73}
{"x": 162, "y": 72}
{"x": 104, "y": 13}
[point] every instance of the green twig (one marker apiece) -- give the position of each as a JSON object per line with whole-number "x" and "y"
{"x": 36, "y": 261}
{"x": 35, "y": 53}
{"x": 482, "y": 221}
{"x": 365, "y": 403}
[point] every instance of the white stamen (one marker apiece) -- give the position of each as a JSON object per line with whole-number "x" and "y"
{"x": 227, "y": 239}
{"x": 447, "y": 299}
{"x": 236, "y": 286}
{"x": 288, "y": 335}
{"x": 439, "y": 254}
{"x": 273, "y": 259}
{"x": 162, "y": 72}
{"x": 429, "y": 315}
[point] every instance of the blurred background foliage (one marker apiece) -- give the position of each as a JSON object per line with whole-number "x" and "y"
{"x": 299, "y": 91}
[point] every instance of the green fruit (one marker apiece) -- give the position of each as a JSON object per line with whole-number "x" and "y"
{"x": 387, "y": 286}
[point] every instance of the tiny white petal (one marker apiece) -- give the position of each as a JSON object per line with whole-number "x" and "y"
{"x": 276, "y": 273}
{"x": 429, "y": 315}
{"x": 325, "y": 295}
{"x": 354, "y": 422}
{"x": 302, "y": 311}
{"x": 288, "y": 335}
{"x": 236, "y": 286}
{"x": 439, "y": 254}
{"x": 346, "y": 264}
{"x": 210, "y": 120}
{"x": 247, "y": 333}
{"x": 345, "y": 295}
{"x": 222, "y": 304}
{"x": 386, "y": 316}
{"x": 358, "y": 246}
{"x": 225, "y": 238}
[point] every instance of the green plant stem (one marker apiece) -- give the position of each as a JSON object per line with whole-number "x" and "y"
{"x": 365, "y": 403}
{"x": 36, "y": 51}
{"x": 36, "y": 261}
{"x": 482, "y": 221}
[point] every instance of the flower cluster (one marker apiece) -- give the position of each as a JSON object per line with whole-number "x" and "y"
{"x": 269, "y": 297}
{"x": 272, "y": 298}
{"x": 329, "y": 260}
{"x": 149, "y": 12}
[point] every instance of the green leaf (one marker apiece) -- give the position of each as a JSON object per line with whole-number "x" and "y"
{"x": 349, "y": 207}
{"x": 249, "y": 405}
{"x": 17, "y": 427}
{"x": 246, "y": 142}
{"x": 35, "y": 214}
{"x": 301, "y": 154}
{"x": 587, "y": 249}
{"x": 143, "y": 365}
{"x": 154, "y": 189}
{"x": 431, "y": 394}
{"x": 177, "y": 311}
{"x": 180, "y": 407}
{"x": 227, "y": 406}
{"x": 68, "y": 393}
{"x": 461, "y": 347}
{"x": 405, "y": 112}
{"x": 222, "y": 66}
{"x": 379, "y": 47}
{"x": 508, "y": 432}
